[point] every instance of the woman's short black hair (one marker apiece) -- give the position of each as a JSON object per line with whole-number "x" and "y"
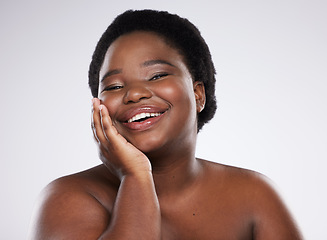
{"x": 179, "y": 33}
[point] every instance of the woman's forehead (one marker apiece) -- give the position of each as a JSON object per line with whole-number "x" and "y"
{"x": 143, "y": 46}
{"x": 141, "y": 38}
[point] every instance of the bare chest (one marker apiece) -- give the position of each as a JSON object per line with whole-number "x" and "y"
{"x": 206, "y": 218}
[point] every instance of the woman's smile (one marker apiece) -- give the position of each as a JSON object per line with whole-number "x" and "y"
{"x": 143, "y": 117}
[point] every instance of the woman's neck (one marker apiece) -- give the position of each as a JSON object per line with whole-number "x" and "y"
{"x": 173, "y": 174}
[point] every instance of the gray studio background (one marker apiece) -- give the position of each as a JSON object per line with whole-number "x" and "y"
{"x": 271, "y": 61}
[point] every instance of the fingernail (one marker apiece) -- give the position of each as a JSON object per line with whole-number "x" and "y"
{"x": 100, "y": 107}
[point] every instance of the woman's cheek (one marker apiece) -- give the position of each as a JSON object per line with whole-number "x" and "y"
{"x": 111, "y": 102}
{"x": 172, "y": 90}
{"x": 181, "y": 95}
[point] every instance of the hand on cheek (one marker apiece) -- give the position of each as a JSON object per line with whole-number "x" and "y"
{"x": 121, "y": 157}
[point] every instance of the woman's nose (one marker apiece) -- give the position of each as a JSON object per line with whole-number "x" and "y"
{"x": 136, "y": 93}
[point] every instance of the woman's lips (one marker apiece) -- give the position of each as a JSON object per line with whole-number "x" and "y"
{"x": 144, "y": 125}
{"x": 142, "y": 118}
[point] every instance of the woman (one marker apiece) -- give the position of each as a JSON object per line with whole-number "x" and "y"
{"x": 153, "y": 83}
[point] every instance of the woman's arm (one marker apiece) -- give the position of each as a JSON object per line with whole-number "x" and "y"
{"x": 68, "y": 212}
{"x": 136, "y": 213}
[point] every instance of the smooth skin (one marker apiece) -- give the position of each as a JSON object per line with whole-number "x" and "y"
{"x": 150, "y": 185}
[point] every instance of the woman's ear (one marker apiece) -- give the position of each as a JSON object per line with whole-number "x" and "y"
{"x": 200, "y": 95}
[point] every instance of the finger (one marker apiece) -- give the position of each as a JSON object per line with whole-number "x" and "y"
{"x": 116, "y": 140}
{"x": 95, "y": 136}
{"x": 92, "y": 123}
{"x": 96, "y": 123}
{"x": 104, "y": 130}
{"x": 109, "y": 130}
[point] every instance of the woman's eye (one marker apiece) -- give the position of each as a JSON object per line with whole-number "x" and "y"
{"x": 157, "y": 76}
{"x": 114, "y": 87}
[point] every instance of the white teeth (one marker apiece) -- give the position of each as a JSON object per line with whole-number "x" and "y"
{"x": 142, "y": 115}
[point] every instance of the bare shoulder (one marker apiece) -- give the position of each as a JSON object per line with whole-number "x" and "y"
{"x": 71, "y": 203}
{"x": 232, "y": 176}
{"x": 255, "y": 194}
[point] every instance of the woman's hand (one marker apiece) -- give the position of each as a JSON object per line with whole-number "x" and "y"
{"x": 120, "y": 156}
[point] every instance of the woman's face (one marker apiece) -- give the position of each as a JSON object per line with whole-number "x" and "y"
{"x": 149, "y": 92}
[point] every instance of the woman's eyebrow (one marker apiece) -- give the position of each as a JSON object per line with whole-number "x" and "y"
{"x": 156, "y": 61}
{"x": 110, "y": 73}
{"x": 145, "y": 64}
